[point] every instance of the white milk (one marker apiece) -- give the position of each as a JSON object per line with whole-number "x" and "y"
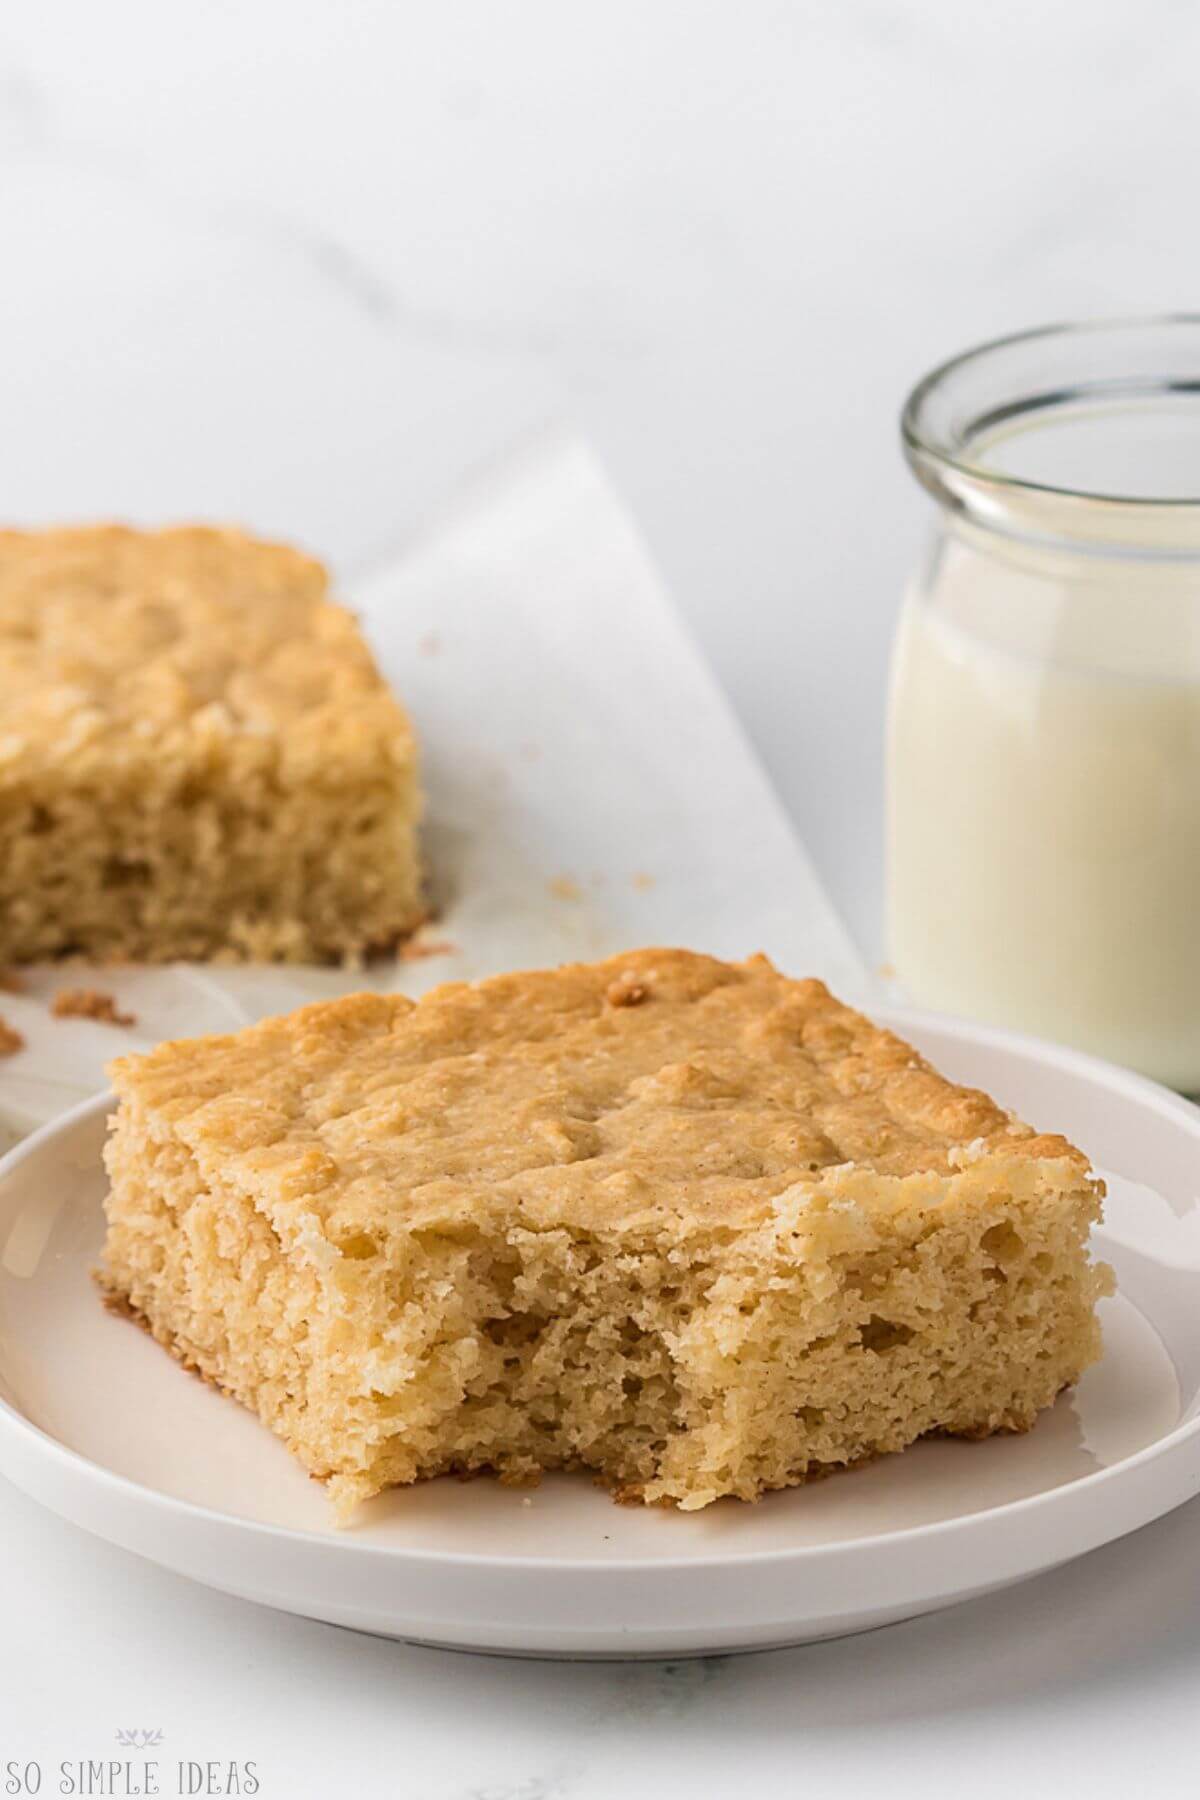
{"x": 1044, "y": 810}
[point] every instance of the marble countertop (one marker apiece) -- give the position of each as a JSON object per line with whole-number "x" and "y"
{"x": 303, "y": 267}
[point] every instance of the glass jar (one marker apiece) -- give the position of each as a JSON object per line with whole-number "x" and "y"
{"x": 1044, "y": 742}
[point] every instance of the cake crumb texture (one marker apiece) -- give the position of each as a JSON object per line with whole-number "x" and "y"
{"x": 10, "y": 1039}
{"x": 725, "y": 1238}
{"x": 198, "y": 756}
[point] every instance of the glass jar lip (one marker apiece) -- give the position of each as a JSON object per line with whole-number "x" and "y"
{"x": 942, "y": 458}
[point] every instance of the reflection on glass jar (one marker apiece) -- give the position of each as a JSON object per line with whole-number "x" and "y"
{"x": 1044, "y": 754}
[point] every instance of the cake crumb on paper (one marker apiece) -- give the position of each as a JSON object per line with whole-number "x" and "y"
{"x": 90, "y": 1003}
{"x": 563, "y": 888}
{"x": 10, "y": 1041}
{"x": 642, "y": 882}
{"x": 417, "y": 949}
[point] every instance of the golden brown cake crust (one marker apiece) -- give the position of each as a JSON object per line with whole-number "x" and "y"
{"x": 657, "y": 1082}
{"x": 178, "y": 634}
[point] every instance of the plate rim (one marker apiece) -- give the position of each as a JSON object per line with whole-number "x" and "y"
{"x": 15, "y": 1426}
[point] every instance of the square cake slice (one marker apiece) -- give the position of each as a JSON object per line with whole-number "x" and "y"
{"x": 687, "y": 1224}
{"x": 198, "y": 756}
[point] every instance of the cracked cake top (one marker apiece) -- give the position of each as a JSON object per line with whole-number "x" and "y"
{"x": 116, "y": 643}
{"x": 658, "y": 1083}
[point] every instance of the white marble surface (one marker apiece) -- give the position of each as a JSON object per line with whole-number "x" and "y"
{"x": 301, "y": 265}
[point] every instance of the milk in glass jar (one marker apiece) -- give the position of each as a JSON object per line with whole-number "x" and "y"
{"x": 1044, "y": 743}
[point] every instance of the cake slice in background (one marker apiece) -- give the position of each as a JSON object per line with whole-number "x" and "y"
{"x": 198, "y": 755}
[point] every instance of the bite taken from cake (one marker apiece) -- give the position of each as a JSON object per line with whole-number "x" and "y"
{"x": 689, "y": 1225}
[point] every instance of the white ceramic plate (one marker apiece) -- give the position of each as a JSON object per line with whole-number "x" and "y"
{"x": 100, "y": 1425}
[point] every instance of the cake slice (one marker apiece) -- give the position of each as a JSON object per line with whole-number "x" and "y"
{"x": 687, "y": 1224}
{"x": 198, "y": 756}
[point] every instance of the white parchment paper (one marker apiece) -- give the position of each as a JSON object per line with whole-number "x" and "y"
{"x": 589, "y": 789}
